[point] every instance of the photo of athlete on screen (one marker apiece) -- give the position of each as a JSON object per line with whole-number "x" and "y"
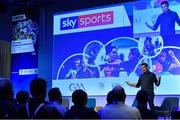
{"x": 111, "y": 68}
{"x": 76, "y": 66}
{"x": 133, "y": 58}
{"x": 166, "y": 63}
{"x": 79, "y": 69}
{"x": 150, "y": 48}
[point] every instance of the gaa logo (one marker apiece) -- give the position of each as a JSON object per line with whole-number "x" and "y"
{"x": 76, "y": 86}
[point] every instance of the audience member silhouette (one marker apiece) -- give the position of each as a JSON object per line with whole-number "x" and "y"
{"x": 109, "y": 98}
{"x": 142, "y": 99}
{"x": 22, "y": 97}
{"x": 55, "y": 100}
{"x": 78, "y": 110}
{"x": 119, "y": 110}
{"x": 37, "y": 106}
{"x": 8, "y": 106}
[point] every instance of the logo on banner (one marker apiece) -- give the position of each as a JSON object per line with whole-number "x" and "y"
{"x": 18, "y": 17}
{"x": 101, "y": 86}
{"x": 75, "y": 86}
{"x": 82, "y": 21}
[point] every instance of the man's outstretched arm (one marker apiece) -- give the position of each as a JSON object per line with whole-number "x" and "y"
{"x": 177, "y": 19}
{"x": 134, "y": 84}
{"x": 131, "y": 84}
{"x": 149, "y": 26}
{"x": 157, "y": 80}
{"x": 155, "y": 26}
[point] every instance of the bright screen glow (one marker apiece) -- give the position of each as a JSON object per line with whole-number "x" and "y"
{"x": 96, "y": 49}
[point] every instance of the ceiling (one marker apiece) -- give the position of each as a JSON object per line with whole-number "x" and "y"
{"x": 9, "y": 4}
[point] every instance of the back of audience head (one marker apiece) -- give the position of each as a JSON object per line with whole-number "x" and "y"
{"x": 109, "y": 97}
{"x": 142, "y": 97}
{"x": 6, "y": 90}
{"x": 38, "y": 88}
{"x": 119, "y": 94}
{"x": 22, "y": 97}
{"x": 79, "y": 97}
{"x": 54, "y": 94}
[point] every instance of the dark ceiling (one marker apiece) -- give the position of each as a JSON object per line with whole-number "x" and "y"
{"x": 9, "y": 4}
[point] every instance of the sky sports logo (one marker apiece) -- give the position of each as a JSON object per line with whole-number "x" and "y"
{"x": 89, "y": 20}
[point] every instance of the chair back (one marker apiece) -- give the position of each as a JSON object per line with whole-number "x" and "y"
{"x": 91, "y": 103}
{"x": 65, "y": 103}
{"x": 97, "y": 108}
{"x": 167, "y": 106}
{"x": 170, "y": 103}
{"x": 135, "y": 103}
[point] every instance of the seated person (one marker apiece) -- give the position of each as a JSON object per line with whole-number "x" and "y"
{"x": 118, "y": 109}
{"x": 22, "y": 97}
{"x": 55, "y": 100}
{"x": 37, "y": 107}
{"x": 8, "y": 107}
{"x": 79, "y": 109}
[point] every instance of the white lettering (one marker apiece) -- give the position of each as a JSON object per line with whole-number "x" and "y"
{"x": 69, "y": 23}
{"x": 73, "y": 23}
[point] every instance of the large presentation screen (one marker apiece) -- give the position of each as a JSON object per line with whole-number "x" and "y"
{"x": 96, "y": 49}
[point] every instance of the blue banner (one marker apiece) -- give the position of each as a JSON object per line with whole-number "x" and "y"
{"x": 24, "y": 49}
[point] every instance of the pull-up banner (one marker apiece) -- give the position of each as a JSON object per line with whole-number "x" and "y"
{"x": 24, "y": 48}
